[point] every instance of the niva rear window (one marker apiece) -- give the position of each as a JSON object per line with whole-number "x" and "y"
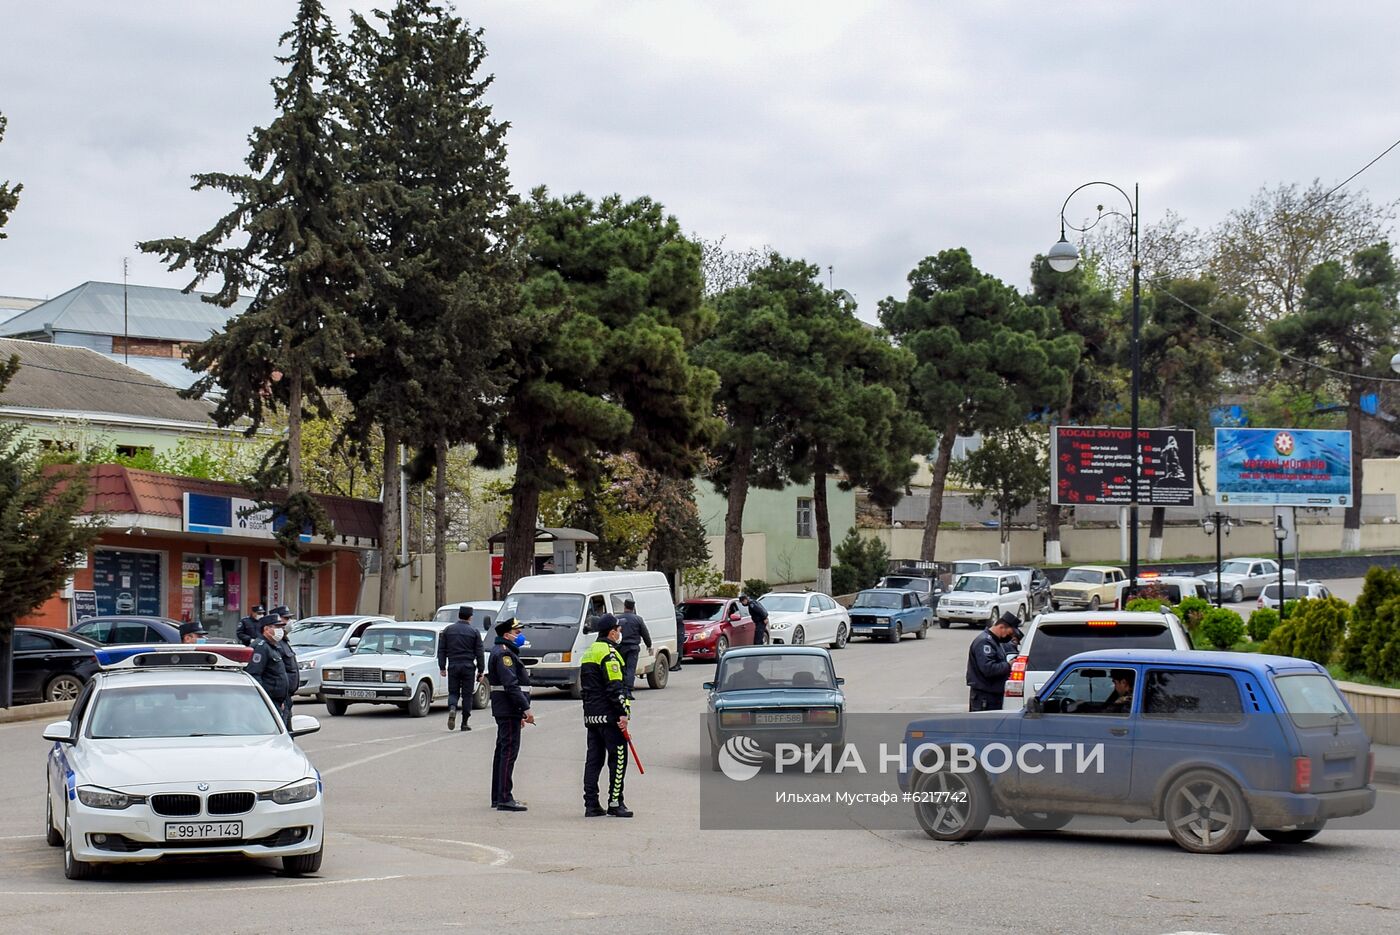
{"x": 1054, "y": 643}
{"x": 1312, "y": 700}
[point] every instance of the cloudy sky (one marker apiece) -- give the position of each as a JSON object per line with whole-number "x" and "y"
{"x": 859, "y": 134}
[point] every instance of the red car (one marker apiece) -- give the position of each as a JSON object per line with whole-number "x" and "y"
{"x": 712, "y": 625}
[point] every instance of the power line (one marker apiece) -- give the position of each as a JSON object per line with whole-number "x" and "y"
{"x": 1368, "y": 165}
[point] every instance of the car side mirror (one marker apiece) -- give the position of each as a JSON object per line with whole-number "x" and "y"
{"x": 59, "y": 732}
{"x": 354, "y": 641}
{"x": 303, "y": 724}
{"x": 707, "y": 686}
{"x": 840, "y": 681}
{"x": 1034, "y": 707}
{"x": 1005, "y": 589}
{"x": 735, "y": 618}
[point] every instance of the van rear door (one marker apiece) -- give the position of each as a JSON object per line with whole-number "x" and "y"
{"x": 1328, "y": 733}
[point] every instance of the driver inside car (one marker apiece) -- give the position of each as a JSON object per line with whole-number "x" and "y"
{"x": 1121, "y": 700}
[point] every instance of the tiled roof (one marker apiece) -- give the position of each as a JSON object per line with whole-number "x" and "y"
{"x": 150, "y": 312}
{"x": 117, "y": 489}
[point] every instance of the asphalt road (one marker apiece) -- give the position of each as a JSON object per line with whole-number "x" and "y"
{"x": 413, "y": 847}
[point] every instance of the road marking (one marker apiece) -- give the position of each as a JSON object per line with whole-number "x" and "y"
{"x": 360, "y": 743}
{"x": 84, "y": 891}
{"x": 379, "y": 756}
{"x": 502, "y": 856}
{"x": 21, "y": 837}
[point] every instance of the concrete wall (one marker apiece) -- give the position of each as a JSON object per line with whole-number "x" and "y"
{"x": 468, "y": 579}
{"x": 773, "y": 515}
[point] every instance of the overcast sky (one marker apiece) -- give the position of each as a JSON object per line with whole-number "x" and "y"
{"x": 860, "y": 135}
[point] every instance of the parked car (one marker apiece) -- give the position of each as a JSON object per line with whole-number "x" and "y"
{"x": 965, "y": 566}
{"x": 1186, "y": 745}
{"x": 1037, "y": 586}
{"x": 713, "y": 625}
{"x": 979, "y": 598}
{"x": 1246, "y": 577}
{"x": 51, "y": 665}
{"x": 1089, "y": 587}
{"x": 394, "y": 663}
{"x": 1309, "y": 590}
{"x": 1172, "y": 588}
{"x": 113, "y": 631}
{"x": 321, "y": 641}
{"x": 889, "y": 614}
{"x": 1054, "y": 637}
{"x": 765, "y": 695}
{"x": 796, "y": 618}
{"x": 483, "y": 613}
{"x": 169, "y": 754}
{"x": 930, "y": 580}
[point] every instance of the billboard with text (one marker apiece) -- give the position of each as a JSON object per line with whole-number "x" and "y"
{"x": 1282, "y": 467}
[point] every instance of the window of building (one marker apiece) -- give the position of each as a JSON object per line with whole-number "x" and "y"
{"x": 804, "y": 517}
{"x": 211, "y": 591}
{"x": 135, "y": 451}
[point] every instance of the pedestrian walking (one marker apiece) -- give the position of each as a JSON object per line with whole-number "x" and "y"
{"x": 759, "y": 616}
{"x": 634, "y": 634}
{"x": 987, "y": 667}
{"x": 250, "y": 627}
{"x": 510, "y": 706}
{"x": 462, "y": 661}
{"x": 266, "y": 665}
{"x": 605, "y": 719}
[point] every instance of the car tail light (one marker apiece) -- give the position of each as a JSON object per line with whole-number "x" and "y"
{"x": 1016, "y": 681}
{"x": 1101, "y": 623}
{"x": 735, "y": 718}
{"x": 822, "y": 716}
{"x": 1302, "y": 773}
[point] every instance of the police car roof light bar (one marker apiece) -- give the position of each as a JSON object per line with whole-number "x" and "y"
{"x": 167, "y": 655}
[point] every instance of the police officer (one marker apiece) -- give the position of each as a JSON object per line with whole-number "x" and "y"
{"x": 266, "y": 665}
{"x": 987, "y": 667}
{"x": 510, "y": 706}
{"x": 634, "y": 633}
{"x": 192, "y": 631}
{"x": 462, "y": 661}
{"x": 605, "y": 719}
{"x": 251, "y": 626}
{"x": 283, "y": 615}
{"x": 680, "y": 639}
{"x": 759, "y": 616}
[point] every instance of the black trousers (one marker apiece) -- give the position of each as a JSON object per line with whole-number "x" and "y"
{"x": 605, "y": 741}
{"x": 979, "y": 700}
{"x": 503, "y": 764}
{"x": 760, "y": 636}
{"x": 461, "y": 683}
{"x": 284, "y": 708}
{"x": 629, "y": 667}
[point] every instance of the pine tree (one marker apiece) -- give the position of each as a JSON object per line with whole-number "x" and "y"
{"x": 9, "y": 192}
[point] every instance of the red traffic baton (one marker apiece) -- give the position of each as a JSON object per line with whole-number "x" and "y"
{"x": 633, "y": 750}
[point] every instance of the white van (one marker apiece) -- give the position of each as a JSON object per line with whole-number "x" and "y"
{"x": 557, "y": 612}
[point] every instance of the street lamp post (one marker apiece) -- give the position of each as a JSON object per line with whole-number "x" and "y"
{"x": 1215, "y": 524}
{"x": 1280, "y": 534}
{"x": 1064, "y": 257}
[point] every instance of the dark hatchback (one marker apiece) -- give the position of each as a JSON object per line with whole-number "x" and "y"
{"x": 51, "y": 665}
{"x": 117, "y": 631}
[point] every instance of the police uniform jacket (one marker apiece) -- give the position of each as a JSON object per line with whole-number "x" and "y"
{"x": 758, "y": 614}
{"x": 987, "y": 667}
{"x": 600, "y": 678}
{"x": 461, "y": 645}
{"x": 267, "y": 667}
{"x": 249, "y": 629}
{"x": 508, "y": 680}
{"x": 634, "y": 631}
{"x": 290, "y": 664}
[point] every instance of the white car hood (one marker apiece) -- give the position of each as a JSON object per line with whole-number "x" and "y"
{"x": 972, "y": 595}
{"x": 384, "y": 661}
{"x": 129, "y": 764}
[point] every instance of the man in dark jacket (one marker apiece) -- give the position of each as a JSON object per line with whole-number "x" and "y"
{"x": 987, "y": 667}
{"x": 680, "y": 640}
{"x": 266, "y": 665}
{"x": 759, "y": 616}
{"x": 283, "y": 615}
{"x": 605, "y": 719}
{"x": 462, "y": 661}
{"x": 250, "y": 627}
{"x": 634, "y": 633}
{"x": 510, "y": 706}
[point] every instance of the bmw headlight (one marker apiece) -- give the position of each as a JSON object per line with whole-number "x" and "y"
{"x": 303, "y": 790}
{"x": 394, "y": 677}
{"x": 95, "y": 797}
{"x": 330, "y": 675}
{"x": 782, "y": 624}
{"x": 308, "y": 665}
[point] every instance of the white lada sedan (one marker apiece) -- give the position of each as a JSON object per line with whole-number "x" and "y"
{"x": 172, "y": 752}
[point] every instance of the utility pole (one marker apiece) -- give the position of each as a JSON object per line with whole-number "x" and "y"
{"x": 126, "y": 320}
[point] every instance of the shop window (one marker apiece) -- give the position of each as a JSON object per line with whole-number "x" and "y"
{"x": 126, "y": 582}
{"x": 211, "y": 591}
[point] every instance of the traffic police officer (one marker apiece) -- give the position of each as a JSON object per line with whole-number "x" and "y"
{"x": 510, "y": 706}
{"x": 461, "y": 660}
{"x": 192, "y": 631}
{"x": 605, "y": 718}
{"x": 251, "y": 626}
{"x": 267, "y": 667}
{"x": 987, "y": 667}
{"x": 283, "y": 615}
{"x": 759, "y": 615}
{"x": 634, "y": 633}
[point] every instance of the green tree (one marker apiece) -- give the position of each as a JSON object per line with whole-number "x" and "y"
{"x": 1371, "y": 629}
{"x": 1347, "y": 322}
{"x": 860, "y": 562}
{"x": 41, "y": 538}
{"x": 762, "y": 350}
{"x": 1011, "y": 470}
{"x": 441, "y": 225}
{"x": 9, "y": 192}
{"x": 294, "y": 239}
{"x": 986, "y": 359}
{"x": 612, "y": 302}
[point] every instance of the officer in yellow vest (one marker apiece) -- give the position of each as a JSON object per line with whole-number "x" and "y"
{"x": 605, "y": 717}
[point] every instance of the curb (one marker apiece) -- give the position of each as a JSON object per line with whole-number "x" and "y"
{"x": 35, "y": 712}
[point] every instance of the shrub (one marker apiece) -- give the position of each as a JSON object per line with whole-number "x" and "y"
{"x": 1191, "y": 610}
{"x": 701, "y": 580}
{"x": 1368, "y": 635}
{"x": 727, "y": 589}
{"x": 864, "y": 561}
{"x": 1262, "y": 623}
{"x": 1149, "y": 605}
{"x": 1222, "y": 627}
{"x": 844, "y": 580}
{"x": 1314, "y": 631}
{"x": 756, "y": 587}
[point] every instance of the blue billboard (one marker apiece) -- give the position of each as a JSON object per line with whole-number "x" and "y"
{"x": 1282, "y": 467}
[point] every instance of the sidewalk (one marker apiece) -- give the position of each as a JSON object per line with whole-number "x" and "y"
{"x": 1387, "y": 764}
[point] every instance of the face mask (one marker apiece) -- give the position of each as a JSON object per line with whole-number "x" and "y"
{"x": 519, "y": 640}
{"x": 278, "y": 633}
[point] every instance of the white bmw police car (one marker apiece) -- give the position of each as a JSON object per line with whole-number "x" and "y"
{"x": 175, "y": 751}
